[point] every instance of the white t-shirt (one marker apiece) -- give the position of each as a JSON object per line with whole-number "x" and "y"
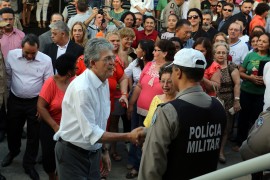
{"x": 238, "y": 51}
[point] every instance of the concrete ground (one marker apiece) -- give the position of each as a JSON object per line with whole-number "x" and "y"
{"x": 16, "y": 172}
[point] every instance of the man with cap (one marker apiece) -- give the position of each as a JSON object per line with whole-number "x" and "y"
{"x": 3, "y": 92}
{"x": 184, "y": 139}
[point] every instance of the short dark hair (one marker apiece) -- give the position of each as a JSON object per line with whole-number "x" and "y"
{"x": 6, "y": 10}
{"x": 166, "y": 68}
{"x": 181, "y": 23}
{"x": 247, "y": 1}
{"x": 228, "y": 4}
{"x": 148, "y": 17}
{"x": 167, "y": 46}
{"x": 32, "y": 39}
{"x": 65, "y": 63}
{"x": 177, "y": 39}
{"x": 260, "y": 27}
{"x": 255, "y": 34}
{"x": 82, "y": 5}
{"x": 194, "y": 74}
{"x": 198, "y": 12}
{"x": 57, "y": 14}
{"x": 261, "y": 8}
{"x": 126, "y": 14}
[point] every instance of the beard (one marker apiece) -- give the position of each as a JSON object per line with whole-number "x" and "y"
{"x": 206, "y": 27}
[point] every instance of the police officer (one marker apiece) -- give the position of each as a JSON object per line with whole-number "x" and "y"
{"x": 173, "y": 7}
{"x": 184, "y": 139}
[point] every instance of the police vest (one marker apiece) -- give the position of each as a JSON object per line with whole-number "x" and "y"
{"x": 197, "y": 145}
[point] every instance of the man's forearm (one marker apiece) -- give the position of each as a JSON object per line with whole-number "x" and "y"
{"x": 110, "y": 137}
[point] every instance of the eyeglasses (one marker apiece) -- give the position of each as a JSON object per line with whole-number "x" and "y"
{"x": 194, "y": 17}
{"x": 157, "y": 50}
{"x": 229, "y": 10}
{"x": 109, "y": 58}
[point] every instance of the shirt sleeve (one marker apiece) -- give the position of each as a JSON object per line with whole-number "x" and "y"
{"x": 134, "y": 2}
{"x": 159, "y": 136}
{"x": 48, "y": 71}
{"x": 153, "y": 106}
{"x": 129, "y": 69}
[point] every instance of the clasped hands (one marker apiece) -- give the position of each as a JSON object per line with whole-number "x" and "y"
{"x": 137, "y": 136}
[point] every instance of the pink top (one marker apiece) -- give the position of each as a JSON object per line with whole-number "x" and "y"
{"x": 54, "y": 97}
{"x": 208, "y": 73}
{"x": 11, "y": 41}
{"x": 149, "y": 81}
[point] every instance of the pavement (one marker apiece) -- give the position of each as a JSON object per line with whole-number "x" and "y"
{"x": 119, "y": 171}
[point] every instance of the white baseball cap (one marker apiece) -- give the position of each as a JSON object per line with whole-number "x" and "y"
{"x": 189, "y": 57}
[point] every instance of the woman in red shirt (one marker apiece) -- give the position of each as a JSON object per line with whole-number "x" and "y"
{"x": 49, "y": 108}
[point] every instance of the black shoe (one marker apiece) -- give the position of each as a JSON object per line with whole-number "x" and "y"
{"x": 2, "y": 177}
{"x": 8, "y": 159}
{"x": 32, "y": 173}
{"x": 2, "y": 137}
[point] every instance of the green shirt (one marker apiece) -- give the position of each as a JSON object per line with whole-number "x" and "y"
{"x": 252, "y": 61}
{"x": 161, "y": 4}
{"x": 116, "y": 16}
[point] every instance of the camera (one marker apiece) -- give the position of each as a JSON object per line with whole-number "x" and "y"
{"x": 100, "y": 11}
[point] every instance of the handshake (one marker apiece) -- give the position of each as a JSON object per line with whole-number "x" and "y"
{"x": 137, "y": 136}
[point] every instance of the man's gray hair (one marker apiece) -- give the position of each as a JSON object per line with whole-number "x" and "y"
{"x": 207, "y": 11}
{"x": 61, "y": 26}
{"x": 93, "y": 49}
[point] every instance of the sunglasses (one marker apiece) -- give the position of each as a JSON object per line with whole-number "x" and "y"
{"x": 219, "y": 6}
{"x": 213, "y": 5}
{"x": 229, "y": 10}
{"x": 194, "y": 17}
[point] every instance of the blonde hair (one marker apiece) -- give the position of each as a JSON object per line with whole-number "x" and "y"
{"x": 126, "y": 32}
{"x": 109, "y": 34}
{"x": 84, "y": 39}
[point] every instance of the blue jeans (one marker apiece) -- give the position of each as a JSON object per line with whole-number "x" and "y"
{"x": 135, "y": 152}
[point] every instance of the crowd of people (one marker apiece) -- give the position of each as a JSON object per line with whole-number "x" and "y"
{"x": 151, "y": 65}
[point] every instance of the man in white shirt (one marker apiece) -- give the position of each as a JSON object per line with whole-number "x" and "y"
{"x": 85, "y": 111}
{"x": 238, "y": 49}
{"x": 27, "y": 69}
{"x": 82, "y": 13}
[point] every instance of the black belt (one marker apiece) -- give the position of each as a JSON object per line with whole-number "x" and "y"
{"x": 77, "y": 148}
{"x": 23, "y": 99}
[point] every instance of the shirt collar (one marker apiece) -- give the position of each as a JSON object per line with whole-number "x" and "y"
{"x": 96, "y": 82}
{"x": 63, "y": 47}
{"x": 37, "y": 57}
{"x": 197, "y": 88}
